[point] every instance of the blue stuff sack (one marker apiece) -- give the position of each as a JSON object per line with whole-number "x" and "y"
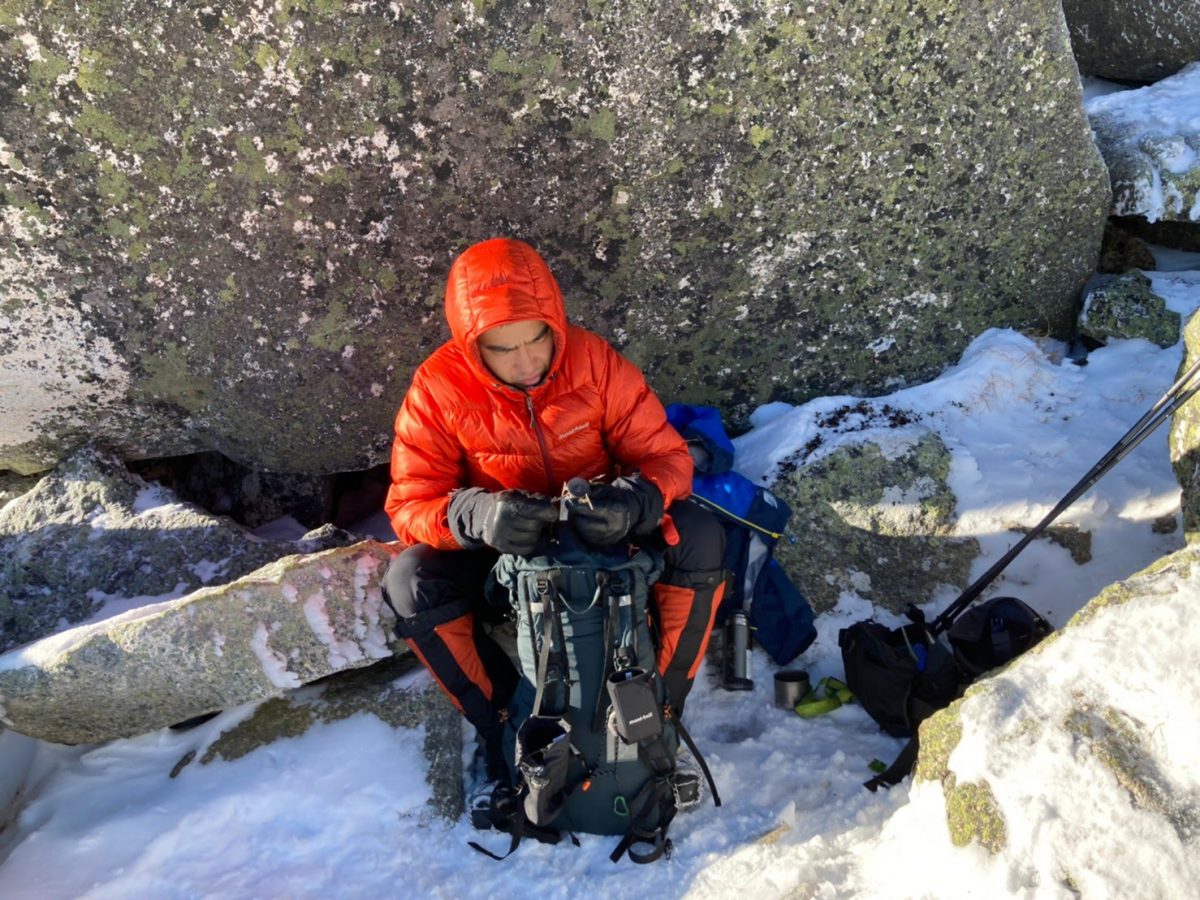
{"x": 754, "y": 520}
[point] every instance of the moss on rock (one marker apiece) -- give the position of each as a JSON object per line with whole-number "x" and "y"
{"x": 1127, "y": 307}
{"x": 1185, "y": 439}
{"x": 875, "y": 524}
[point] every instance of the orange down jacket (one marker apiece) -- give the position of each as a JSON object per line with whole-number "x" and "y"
{"x": 593, "y": 416}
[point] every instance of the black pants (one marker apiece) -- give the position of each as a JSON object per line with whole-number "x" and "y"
{"x": 439, "y": 601}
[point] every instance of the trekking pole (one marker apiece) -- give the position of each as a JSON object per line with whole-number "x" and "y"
{"x": 1178, "y": 394}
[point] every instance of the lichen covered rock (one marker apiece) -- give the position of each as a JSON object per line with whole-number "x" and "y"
{"x": 1127, "y": 307}
{"x": 1120, "y": 743}
{"x": 91, "y": 532}
{"x": 1133, "y": 40}
{"x": 875, "y": 519}
{"x": 1103, "y": 739}
{"x": 972, "y": 814}
{"x": 1123, "y": 249}
{"x": 1152, "y": 154}
{"x": 1185, "y": 439}
{"x": 227, "y": 227}
{"x": 291, "y": 622}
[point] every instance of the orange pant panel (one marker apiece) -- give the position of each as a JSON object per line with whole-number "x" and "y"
{"x": 674, "y": 610}
{"x": 459, "y": 637}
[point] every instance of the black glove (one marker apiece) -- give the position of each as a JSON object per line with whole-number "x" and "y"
{"x": 509, "y": 521}
{"x": 627, "y": 506}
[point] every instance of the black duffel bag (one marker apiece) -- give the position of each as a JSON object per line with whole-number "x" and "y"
{"x": 902, "y": 676}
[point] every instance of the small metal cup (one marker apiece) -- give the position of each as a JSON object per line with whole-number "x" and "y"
{"x": 791, "y": 686}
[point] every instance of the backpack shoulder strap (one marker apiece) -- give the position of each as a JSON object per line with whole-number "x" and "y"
{"x": 518, "y": 827}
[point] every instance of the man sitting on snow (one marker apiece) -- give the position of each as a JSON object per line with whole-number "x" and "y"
{"x": 496, "y": 420}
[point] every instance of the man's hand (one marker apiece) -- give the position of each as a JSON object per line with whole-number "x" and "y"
{"x": 509, "y": 521}
{"x": 627, "y": 506}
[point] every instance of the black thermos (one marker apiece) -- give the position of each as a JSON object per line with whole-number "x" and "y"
{"x": 736, "y": 674}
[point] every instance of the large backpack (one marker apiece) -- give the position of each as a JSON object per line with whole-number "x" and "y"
{"x": 595, "y": 748}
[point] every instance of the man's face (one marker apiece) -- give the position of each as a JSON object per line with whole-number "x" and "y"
{"x": 519, "y": 354}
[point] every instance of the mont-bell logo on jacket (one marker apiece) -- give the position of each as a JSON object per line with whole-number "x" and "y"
{"x": 578, "y": 428}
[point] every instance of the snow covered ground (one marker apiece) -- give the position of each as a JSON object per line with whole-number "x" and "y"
{"x": 340, "y": 812}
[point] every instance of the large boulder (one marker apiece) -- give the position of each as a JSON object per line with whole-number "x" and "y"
{"x": 91, "y": 533}
{"x": 291, "y": 622}
{"x": 1107, "y": 732}
{"x": 1185, "y": 439}
{"x": 1151, "y": 144}
{"x": 227, "y": 226}
{"x": 1133, "y": 40}
{"x": 874, "y": 518}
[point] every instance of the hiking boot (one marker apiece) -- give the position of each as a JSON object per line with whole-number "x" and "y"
{"x": 491, "y": 800}
{"x": 492, "y": 805}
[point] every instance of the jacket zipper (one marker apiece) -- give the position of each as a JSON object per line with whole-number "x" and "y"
{"x": 541, "y": 438}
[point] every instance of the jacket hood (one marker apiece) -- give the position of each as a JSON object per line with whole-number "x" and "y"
{"x": 497, "y": 282}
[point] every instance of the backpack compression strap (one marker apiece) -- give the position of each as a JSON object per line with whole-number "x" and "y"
{"x": 900, "y": 768}
{"x": 518, "y": 827}
{"x": 549, "y": 611}
{"x": 655, "y": 796}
